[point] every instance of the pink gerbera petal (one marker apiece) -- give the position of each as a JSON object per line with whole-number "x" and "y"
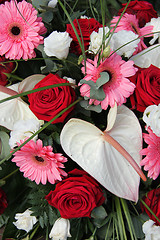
{"x": 118, "y": 88}
{"x": 20, "y": 30}
{"x": 151, "y": 162}
{"x": 39, "y": 163}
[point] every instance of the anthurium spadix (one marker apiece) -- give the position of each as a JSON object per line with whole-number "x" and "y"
{"x": 104, "y": 154}
{"x": 16, "y": 109}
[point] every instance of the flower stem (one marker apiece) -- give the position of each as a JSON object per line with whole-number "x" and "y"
{"x": 125, "y": 154}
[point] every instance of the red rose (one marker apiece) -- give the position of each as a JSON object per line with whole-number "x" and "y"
{"x": 147, "y": 91}
{"x": 143, "y": 10}
{"x": 5, "y": 68}
{"x": 84, "y": 27}
{"x": 76, "y": 196}
{"x": 3, "y": 201}
{"x": 48, "y": 103}
{"x": 152, "y": 200}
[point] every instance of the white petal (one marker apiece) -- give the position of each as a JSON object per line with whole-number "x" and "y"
{"x": 13, "y": 110}
{"x": 111, "y": 118}
{"x": 29, "y": 82}
{"x": 85, "y": 144}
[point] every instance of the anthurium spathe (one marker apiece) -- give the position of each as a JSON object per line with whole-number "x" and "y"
{"x": 16, "y": 109}
{"x": 92, "y": 149}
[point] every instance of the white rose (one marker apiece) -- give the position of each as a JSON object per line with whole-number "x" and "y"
{"x": 121, "y": 38}
{"x": 151, "y": 231}
{"x": 96, "y": 39}
{"x": 25, "y": 221}
{"x": 60, "y": 229}
{"x": 151, "y": 117}
{"x": 23, "y": 129}
{"x": 57, "y": 44}
{"x": 52, "y": 3}
{"x": 155, "y": 22}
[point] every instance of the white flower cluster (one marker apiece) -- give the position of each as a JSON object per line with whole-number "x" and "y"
{"x": 96, "y": 39}
{"x": 151, "y": 117}
{"x": 151, "y": 231}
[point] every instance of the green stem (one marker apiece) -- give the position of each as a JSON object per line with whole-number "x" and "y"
{"x": 40, "y": 130}
{"x": 146, "y": 206}
{"x": 9, "y": 175}
{"x": 34, "y": 232}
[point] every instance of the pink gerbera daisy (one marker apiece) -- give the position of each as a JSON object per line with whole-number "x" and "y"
{"x": 151, "y": 162}
{"x": 129, "y": 22}
{"x": 118, "y": 88}
{"x": 39, "y": 163}
{"x": 19, "y": 30}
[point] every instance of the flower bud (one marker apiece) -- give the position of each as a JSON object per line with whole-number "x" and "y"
{"x": 60, "y": 229}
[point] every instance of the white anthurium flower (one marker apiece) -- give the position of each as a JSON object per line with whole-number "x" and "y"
{"x": 151, "y": 117}
{"x": 155, "y": 22}
{"x": 57, "y": 44}
{"x": 60, "y": 229}
{"x": 24, "y": 221}
{"x": 23, "y": 129}
{"x": 52, "y": 3}
{"x": 122, "y": 38}
{"x": 151, "y": 231}
{"x": 103, "y": 154}
{"x": 148, "y": 56}
{"x": 16, "y": 109}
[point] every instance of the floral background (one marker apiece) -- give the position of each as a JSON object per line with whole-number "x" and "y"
{"x": 79, "y": 119}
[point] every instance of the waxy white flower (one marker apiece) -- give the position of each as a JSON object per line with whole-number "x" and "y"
{"x": 60, "y": 229}
{"x": 52, "y": 3}
{"x": 25, "y": 221}
{"x": 23, "y": 129}
{"x": 57, "y": 44}
{"x": 151, "y": 117}
{"x": 151, "y": 231}
{"x": 155, "y": 22}
{"x": 121, "y": 38}
{"x": 96, "y": 39}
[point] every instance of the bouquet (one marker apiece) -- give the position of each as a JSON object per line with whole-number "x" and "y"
{"x": 79, "y": 120}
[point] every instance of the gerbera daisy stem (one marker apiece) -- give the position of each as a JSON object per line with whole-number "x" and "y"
{"x": 125, "y": 154}
{"x": 8, "y": 91}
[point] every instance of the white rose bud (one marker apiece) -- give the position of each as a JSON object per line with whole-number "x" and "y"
{"x": 25, "y": 221}
{"x": 57, "y": 44}
{"x": 151, "y": 231}
{"x": 60, "y": 229}
{"x": 52, "y": 3}
{"x": 23, "y": 129}
{"x": 151, "y": 117}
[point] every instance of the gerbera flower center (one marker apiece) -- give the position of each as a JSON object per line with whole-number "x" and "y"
{"x": 135, "y": 30}
{"x": 15, "y": 30}
{"x": 39, "y": 159}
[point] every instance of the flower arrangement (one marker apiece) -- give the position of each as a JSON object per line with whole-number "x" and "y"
{"x": 79, "y": 120}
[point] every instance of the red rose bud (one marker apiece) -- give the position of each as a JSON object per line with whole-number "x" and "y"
{"x": 48, "y": 103}
{"x": 152, "y": 200}
{"x": 3, "y": 201}
{"x": 5, "y": 68}
{"x": 147, "y": 91}
{"x": 84, "y": 27}
{"x": 143, "y": 10}
{"x": 76, "y": 196}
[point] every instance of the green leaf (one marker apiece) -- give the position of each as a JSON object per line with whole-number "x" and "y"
{"x": 85, "y": 104}
{"x": 97, "y": 94}
{"x": 90, "y": 83}
{"x": 4, "y": 145}
{"x": 99, "y": 212}
{"x": 47, "y": 16}
{"x": 41, "y": 221}
{"x": 104, "y": 78}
